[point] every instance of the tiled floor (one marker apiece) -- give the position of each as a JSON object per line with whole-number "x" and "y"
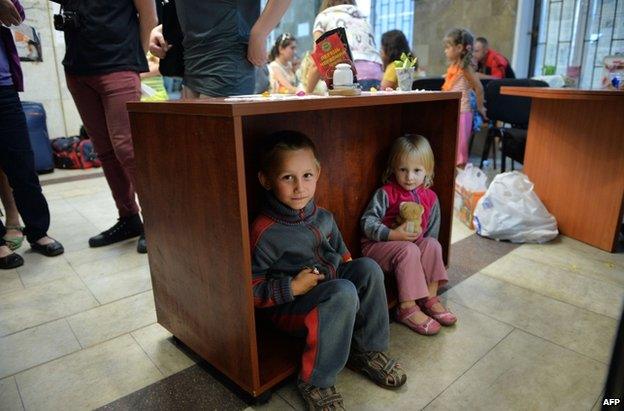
{"x": 536, "y": 324}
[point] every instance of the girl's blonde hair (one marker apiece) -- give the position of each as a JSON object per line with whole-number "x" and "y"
{"x": 331, "y": 3}
{"x": 466, "y": 39}
{"x": 415, "y": 146}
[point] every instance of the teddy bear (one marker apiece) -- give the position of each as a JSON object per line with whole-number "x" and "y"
{"x": 410, "y": 212}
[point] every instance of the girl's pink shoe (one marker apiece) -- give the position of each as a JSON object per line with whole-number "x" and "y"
{"x": 445, "y": 318}
{"x": 429, "y": 327}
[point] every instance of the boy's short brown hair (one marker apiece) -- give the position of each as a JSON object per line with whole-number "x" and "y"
{"x": 285, "y": 140}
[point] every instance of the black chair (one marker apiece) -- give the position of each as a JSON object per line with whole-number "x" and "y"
{"x": 510, "y": 110}
{"x": 428, "y": 83}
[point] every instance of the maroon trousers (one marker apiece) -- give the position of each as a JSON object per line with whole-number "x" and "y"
{"x": 101, "y": 101}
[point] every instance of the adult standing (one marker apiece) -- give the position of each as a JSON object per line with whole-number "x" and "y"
{"x": 490, "y": 63}
{"x": 16, "y": 155}
{"x": 366, "y": 58}
{"x": 106, "y": 42}
{"x": 223, "y": 40}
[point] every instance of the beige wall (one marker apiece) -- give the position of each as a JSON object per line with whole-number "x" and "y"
{"x": 44, "y": 82}
{"x": 493, "y": 19}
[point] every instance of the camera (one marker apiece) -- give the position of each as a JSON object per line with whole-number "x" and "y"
{"x": 66, "y": 20}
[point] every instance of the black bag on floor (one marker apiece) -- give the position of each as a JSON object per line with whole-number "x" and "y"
{"x": 38, "y": 133}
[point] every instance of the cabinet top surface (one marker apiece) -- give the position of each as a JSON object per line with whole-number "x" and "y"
{"x": 564, "y": 93}
{"x": 232, "y": 108}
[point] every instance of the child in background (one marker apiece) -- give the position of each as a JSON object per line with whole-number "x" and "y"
{"x": 305, "y": 282}
{"x": 415, "y": 258}
{"x": 393, "y": 44}
{"x": 152, "y": 84}
{"x": 460, "y": 76}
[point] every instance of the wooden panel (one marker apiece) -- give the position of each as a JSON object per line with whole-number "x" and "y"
{"x": 220, "y": 107}
{"x": 575, "y": 158}
{"x": 564, "y": 93}
{"x": 197, "y": 237}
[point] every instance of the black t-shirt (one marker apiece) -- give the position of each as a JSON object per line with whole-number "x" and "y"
{"x": 107, "y": 39}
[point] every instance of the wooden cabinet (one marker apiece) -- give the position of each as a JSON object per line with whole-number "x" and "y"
{"x": 575, "y": 157}
{"x": 197, "y": 164}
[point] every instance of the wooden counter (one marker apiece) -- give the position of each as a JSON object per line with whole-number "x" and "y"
{"x": 196, "y": 170}
{"x": 575, "y": 157}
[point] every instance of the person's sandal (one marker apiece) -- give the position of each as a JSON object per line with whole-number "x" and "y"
{"x": 320, "y": 399}
{"x": 382, "y": 370}
{"x": 14, "y": 242}
{"x": 429, "y": 327}
{"x": 445, "y": 318}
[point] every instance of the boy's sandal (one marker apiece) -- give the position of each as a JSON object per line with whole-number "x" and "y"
{"x": 429, "y": 327}
{"x": 383, "y": 371}
{"x": 320, "y": 399}
{"x": 445, "y": 318}
{"x": 14, "y": 242}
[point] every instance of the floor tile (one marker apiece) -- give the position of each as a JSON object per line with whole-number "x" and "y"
{"x": 116, "y": 285}
{"x": 459, "y": 231}
{"x": 111, "y": 320}
{"x": 470, "y": 255}
{"x": 35, "y": 346}
{"x": 36, "y": 274}
{"x": 431, "y": 363}
{"x": 33, "y": 306}
{"x": 525, "y": 372}
{"x": 157, "y": 343}
{"x": 553, "y": 281}
{"x": 9, "y": 281}
{"x": 572, "y": 327}
{"x": 89, "y": 378}
{"x": 89, "y": 255}
{"x": 9, "y": 396}
{"x": 130, "y": 259}
{"x": 583, "y": 259}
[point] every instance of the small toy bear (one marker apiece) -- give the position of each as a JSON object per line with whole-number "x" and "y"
{"x": 411, "y": 213}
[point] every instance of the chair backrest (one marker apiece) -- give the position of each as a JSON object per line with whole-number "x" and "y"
{"x": 429, "y": 83}
{"x": 509, "y": 109}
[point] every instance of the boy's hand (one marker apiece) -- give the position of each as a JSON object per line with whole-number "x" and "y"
{"x": 399, "y": 234}
{"x": 306, "y": 280}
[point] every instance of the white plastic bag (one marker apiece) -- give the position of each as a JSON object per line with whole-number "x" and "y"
{"x": 470, "y": 186}
{"x": 510, "y": 210}
{"x": 471, "y": 178}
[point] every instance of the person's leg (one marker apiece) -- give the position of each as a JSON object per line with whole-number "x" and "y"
{"x": 98, "y": 101}
{"x": 436, "y": 275}
{"x": 17, "y": 162}
{"x": 14, "y": 235}
{"x": 403, "y": 259}
{"x": 325, "y": 316}
{"x": 117, "y": 89}
{"x": 88, "y": 100}
{"x": 371, "y": 331}
{"x": 465, "y": 128}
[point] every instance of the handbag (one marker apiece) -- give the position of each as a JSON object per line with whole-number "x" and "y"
{"x": 173, "y": 63}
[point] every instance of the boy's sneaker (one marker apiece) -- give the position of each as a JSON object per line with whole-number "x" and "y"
{"x": 320, "y": 399}
{"x": 126, "y": 227}
{"x": 382, "y": 370}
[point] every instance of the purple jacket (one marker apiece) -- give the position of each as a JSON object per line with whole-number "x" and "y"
{"x": 14, "y": 64}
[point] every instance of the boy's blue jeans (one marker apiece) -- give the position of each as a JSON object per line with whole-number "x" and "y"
{"x": 335, "y": 315}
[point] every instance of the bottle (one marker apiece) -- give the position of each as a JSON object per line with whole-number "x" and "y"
{"x": 343, "y": 76}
